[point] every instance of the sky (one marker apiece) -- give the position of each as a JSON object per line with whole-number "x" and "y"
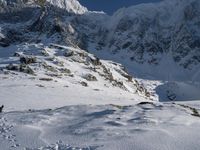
{"x": 110, "y": 6}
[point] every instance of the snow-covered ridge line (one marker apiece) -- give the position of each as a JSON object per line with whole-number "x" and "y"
{"x": 54, "y": 71}
{"x": 69, "y": 5}
{"x": 72, "y": 6}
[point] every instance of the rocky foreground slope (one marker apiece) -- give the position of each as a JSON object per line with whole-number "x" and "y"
{"x": 153, "y": 41}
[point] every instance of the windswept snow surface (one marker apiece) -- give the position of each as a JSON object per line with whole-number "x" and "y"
{"x": 107, "y": 127}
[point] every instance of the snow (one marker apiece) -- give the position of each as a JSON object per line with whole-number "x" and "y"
{"x": 72, "y": 6}
{"x": 29, "y": 92}
{"x": 184, "y": 91}
{"x": 157, "y": 78}
{"x": 164, "y": 10}
{"x": 69, "y": 5}
{"x": 74, "y": 100}
{"x": 106, "y": 127}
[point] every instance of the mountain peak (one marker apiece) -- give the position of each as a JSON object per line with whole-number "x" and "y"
{"x": 72, "y": 6}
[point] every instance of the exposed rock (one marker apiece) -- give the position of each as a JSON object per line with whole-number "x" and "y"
{"x": 84, "y": 83}
{"x": 21, "y": 68}
{"x": 90, "y": 77}
{"x": 26, "y": 69}
{"x": 28, "y": 59}
{"x": 146, "y": 103}
{"x": 68, "y": 53}
{"x": 45, "y": 53}
{"x": 65, "y": 70}
{"x": 4, "y": 43}
{"x": 171, "y": 96}
{"x": 95, "y": 61}
{"x": 12, "y": 67}
{"x": 49, "y": 67}
{"x": 45, "y": 79}
{"x": 17, "y": 54}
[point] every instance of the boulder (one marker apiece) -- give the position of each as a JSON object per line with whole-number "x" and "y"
{"x": 90, "y": 77}
{"x": 28, "y": 59}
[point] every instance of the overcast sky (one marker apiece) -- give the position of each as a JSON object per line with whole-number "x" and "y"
{"x": 109, "y": 6}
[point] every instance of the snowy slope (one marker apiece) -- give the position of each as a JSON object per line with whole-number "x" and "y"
{"x": 98, "y": 82}
{"x": 141, "y": 127}
{"x": 60, "y": 75}
{"x": 149, "y": 37}
{"x": 157, "y": 42}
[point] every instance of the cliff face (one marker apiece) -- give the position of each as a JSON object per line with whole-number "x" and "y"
{"x": 147, "y": 31}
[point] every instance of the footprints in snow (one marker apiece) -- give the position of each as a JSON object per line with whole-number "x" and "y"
{"x": 100, "y": 122}
{"x": 60, "y": 146}
{"x": 5, "y": 132}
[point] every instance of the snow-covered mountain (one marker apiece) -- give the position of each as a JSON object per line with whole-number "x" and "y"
{"x": 41, "y": 47}
{"x": 144, "y": 38}
{"x": 72, "y": 6}
{"x": 69, "y": 5}
{"x": 148, "y": 31}
{"x": 145, "y": 32}
{"x": 100, "y": 82}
